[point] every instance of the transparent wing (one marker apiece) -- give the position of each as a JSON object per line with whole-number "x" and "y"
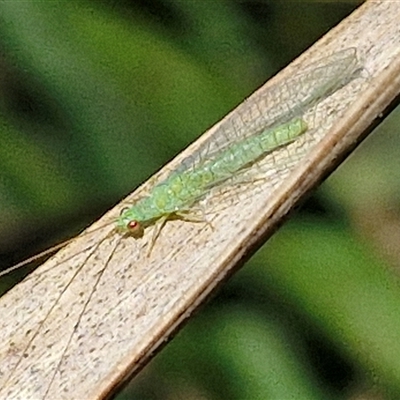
{"x": 280, "y": 103}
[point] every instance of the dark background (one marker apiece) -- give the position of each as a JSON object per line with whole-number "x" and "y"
{"x": 95, "y": 96}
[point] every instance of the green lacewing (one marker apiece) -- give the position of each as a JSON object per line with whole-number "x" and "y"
{"x": 240, "y": 141}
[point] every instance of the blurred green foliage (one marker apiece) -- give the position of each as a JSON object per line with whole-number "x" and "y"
{"x": 97, "y": 95}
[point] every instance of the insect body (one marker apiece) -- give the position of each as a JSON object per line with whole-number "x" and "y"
{"x": 180, "y": 190}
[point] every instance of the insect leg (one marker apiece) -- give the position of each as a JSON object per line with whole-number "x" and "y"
{"x": 190, "y": 215}
{"x": 158, "y": 226}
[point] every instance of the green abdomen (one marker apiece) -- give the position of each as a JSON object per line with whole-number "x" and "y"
{"x": 180, "y": 190}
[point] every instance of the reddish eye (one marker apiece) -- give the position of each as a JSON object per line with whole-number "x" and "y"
{"x": 133, "y": 225}
{"x": 135, "y": 228}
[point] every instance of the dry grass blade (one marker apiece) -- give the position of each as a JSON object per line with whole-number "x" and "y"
{"x": 61, "y": 339}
